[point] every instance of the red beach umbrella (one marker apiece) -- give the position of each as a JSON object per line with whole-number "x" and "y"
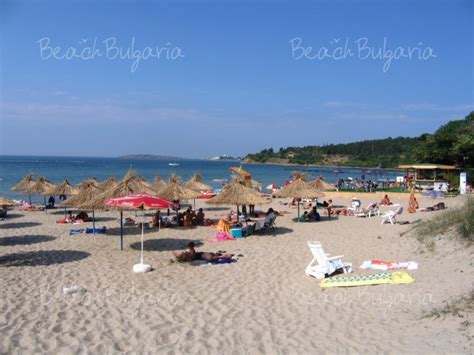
{"x": 207, "y": 194}
{"x": 141, "y": 201}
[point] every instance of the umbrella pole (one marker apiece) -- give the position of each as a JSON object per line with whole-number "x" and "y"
{"x": 29, "y": 198}
{"x": 194, "y": 203}
{"x": 298, "y": 210}
{"x": 143, "y": 224}
{"x": 45, "y": 207}
{"x": 93, "y": 221}
{"x": 65, "y": 213}
{"x": 121, "y": 229}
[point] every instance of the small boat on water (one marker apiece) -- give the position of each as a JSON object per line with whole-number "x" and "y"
{"x": 173, "y": 164}
{"x": 220, "y": 180}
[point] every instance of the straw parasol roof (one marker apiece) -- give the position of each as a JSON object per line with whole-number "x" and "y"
{"x": 131, "y": 184}
{"x": 137, "y": 183}
{"x": 41, "y": 186}
{"x": 86, "y": 194}
{"x": 321, "y": 185}
{"x": 174, "y": 191}
{"x": 5, "y": 202}
{"x": 196, "y": 183}
{"x": 87, "y": 182}
{"x": 299, "y": 189}
{"x": 158, "y": 184}
{"x": 24, "y": 183}
{"x": 64, "y": 188}
{"x": 236, "y": 193}
{"x": 108, "y": 183}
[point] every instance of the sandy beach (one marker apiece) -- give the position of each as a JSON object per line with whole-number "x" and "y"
{"x": 263, "y": 303}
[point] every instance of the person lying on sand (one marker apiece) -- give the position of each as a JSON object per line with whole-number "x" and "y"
{"x": 191, "y": 254}
{"x": 437, "y": 207}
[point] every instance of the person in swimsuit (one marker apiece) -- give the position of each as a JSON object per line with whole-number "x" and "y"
{"x": 191, "y": 254}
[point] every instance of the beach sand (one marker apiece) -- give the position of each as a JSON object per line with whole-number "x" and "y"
{"x": 263, "y": 303}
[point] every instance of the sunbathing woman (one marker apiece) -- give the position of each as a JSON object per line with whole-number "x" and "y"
{"x": 191, "y": 254}
{"x": 437, "y": 207}
{"x": 385, "y": 201}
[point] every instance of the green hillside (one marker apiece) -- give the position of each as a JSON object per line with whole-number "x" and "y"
{"x": 452, "y": 143}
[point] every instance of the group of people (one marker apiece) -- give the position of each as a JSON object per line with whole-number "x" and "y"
{"x": 361, "y": 185}
{"x": 233, "y": 220}
{"x": 82, "y": 216}
{"x": 187, "y": 218}
{"x": 312, "y": 215}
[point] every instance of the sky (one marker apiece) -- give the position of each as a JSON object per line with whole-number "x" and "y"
{"x": 206, "y": 78}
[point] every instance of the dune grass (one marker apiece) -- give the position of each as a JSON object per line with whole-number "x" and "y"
{"x": 457, "y": 307}
{"x": 460, "y": 220}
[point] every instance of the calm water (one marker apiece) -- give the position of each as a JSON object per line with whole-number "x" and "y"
{"x": 76, "y": 169}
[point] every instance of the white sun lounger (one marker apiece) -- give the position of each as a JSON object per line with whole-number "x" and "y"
{"x": 369, "y": 211}
{"x": 322, "y": 264}
{"x": 391, "y": 216}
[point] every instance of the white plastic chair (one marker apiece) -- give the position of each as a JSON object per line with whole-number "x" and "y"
{"x": 369, "y": 211}
{"x": 391, "y": 216}
{"x": 322, "y": 264}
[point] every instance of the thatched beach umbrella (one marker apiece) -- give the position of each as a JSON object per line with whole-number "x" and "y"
{"x": 6, "y": 202}
{"x": 196, "y": 183}
{"x": 236, "y": 193}
{"x": 40, "y": 187}
{"x": 158, "y": 184}
{"x": 87, "y": 182}
{"x": 86, "y": 194}
{"x": 131, "y": 184}
{"x": 175, "y": 191}
{"x": 64, "y": 188}
{"x": 108, "y": 183}
{"x": 299, "y": 189}
{"x": 321, "y": 185}
{"x": 25, "y": 184}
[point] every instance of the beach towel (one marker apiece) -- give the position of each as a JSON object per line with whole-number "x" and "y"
{"x": 223, "y": 226}
{"x": 395, "y": 278}
{"x": 102, "y": 230}
{"x": 221, "y": 237}
{"x": 217, "y": 262}
{"x": 76, "y": 231}
{"x": 388, "y": 265}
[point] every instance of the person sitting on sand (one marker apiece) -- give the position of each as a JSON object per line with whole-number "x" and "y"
{"x": 223, "y": 225}
{"x": 187, "y": 218}
{"x": 304, "y": 217}
{"x": 199, "y": 217}
{"x": 70, "y": 218}
{"x": 385, "y": 201}
{"x": 270, "y": 215}
{"x": 83, "y": 216}
{"x": 314, "y": 215}
{"x": 191, "y": 254}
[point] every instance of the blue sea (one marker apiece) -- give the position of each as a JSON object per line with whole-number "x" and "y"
{"x": 76, "y": 169}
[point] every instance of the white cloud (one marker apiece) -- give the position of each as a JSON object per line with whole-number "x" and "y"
{"x": 436, "y": 107}
{"x": 107, "y": 111}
